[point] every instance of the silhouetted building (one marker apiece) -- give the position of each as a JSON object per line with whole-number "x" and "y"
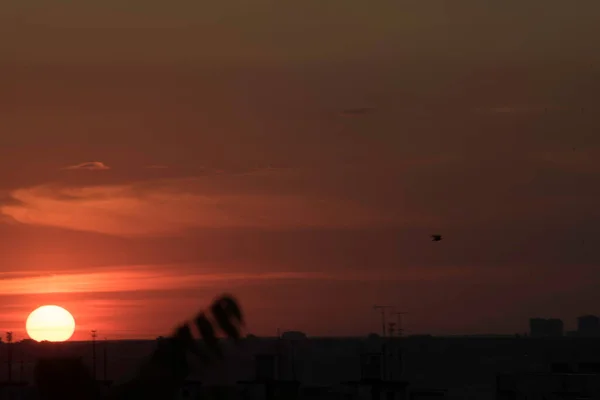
{"x": 371, "y": 366}
{"x": 588, "y": 325}
{"x": 547, "y": 386}
{"x": 267, "y": 384}
{"x": 266, "y": 367}
{"x": 542, "y": 327}
{"x": 64, "y": 378}
{"x": 379, "y": 389}
{"x": 293, "y": 335}
{"x": 16, "y": 390}
{"x": 588, "y": 368}
{"x": 427, "y": 394}
{"x": 561, "y": 368}
{"x": 190, "y": 390}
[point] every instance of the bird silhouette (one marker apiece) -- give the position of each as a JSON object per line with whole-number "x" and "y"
{"x": 436, "y": 238}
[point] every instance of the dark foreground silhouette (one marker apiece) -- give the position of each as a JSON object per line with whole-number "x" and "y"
{"x": 60, "y": 378}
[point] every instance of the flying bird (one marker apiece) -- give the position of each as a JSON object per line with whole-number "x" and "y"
{"x": 436, "y": 238}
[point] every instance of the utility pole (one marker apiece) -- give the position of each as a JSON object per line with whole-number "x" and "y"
{"x": 399, "y": 316}
{"x": 9, "y": 338}
{"x": 278, "y": 357}
{"x": 400, "y": 354}
{"x": 22, "y": 364}
{"x": 384, "y": 345}
{"x": 382, "y": 309}
{"x": 94, "y": 335}
{"x": 105, "y": 360}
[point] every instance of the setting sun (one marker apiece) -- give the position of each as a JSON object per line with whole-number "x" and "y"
{"x": 51, "y": 323}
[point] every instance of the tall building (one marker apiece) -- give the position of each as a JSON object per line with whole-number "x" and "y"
{"x": 588, "y": 325}
{"x": 546, "y": 327}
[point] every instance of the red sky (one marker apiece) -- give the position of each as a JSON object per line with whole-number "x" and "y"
{"x": 156, "y": 154}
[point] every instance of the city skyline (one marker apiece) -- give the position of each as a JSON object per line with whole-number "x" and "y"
{"x": 299, "y": 156}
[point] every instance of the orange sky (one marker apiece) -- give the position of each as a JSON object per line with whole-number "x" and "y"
{"x": 155, "y": 154}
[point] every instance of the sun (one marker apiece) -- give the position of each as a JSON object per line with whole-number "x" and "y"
{"x": 51, "y": 323}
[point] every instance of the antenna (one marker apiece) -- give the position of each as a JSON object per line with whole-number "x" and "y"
{"x": 399, "y": 315}
{"x": 94, "y": 335}
{"x": 382, "y": 309}
{"x": 391, "y": 327}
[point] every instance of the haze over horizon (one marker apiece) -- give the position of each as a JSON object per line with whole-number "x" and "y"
{"x": 298, "y": 156}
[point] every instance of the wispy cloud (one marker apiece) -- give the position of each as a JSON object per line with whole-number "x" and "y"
{"x": 170, "y": 206}
{"x": 92, "y": 166}
{"x": 182, "y": 277}
{"x": 132, "y": 278}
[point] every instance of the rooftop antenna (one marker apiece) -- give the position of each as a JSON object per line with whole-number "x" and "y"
{"x": 391, "y": 327}
{"x": 400, "y": 359}
{"x": 399, "y": 315}
{"x": 382, "y": 309}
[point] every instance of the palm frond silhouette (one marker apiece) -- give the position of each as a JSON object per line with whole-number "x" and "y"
{"x": 168, "y": 366}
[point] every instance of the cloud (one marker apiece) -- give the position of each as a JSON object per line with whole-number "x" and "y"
{"x": 132, "y": 278}
{"x": 171, "y": 206}
{"x": 92, "y": 166}
{"x": 139, "y": 278}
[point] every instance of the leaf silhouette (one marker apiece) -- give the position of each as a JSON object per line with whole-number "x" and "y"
{"x": 207, "y": 332}
{"x": 224, "y": 310}
{"x": 168, "y": 367}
